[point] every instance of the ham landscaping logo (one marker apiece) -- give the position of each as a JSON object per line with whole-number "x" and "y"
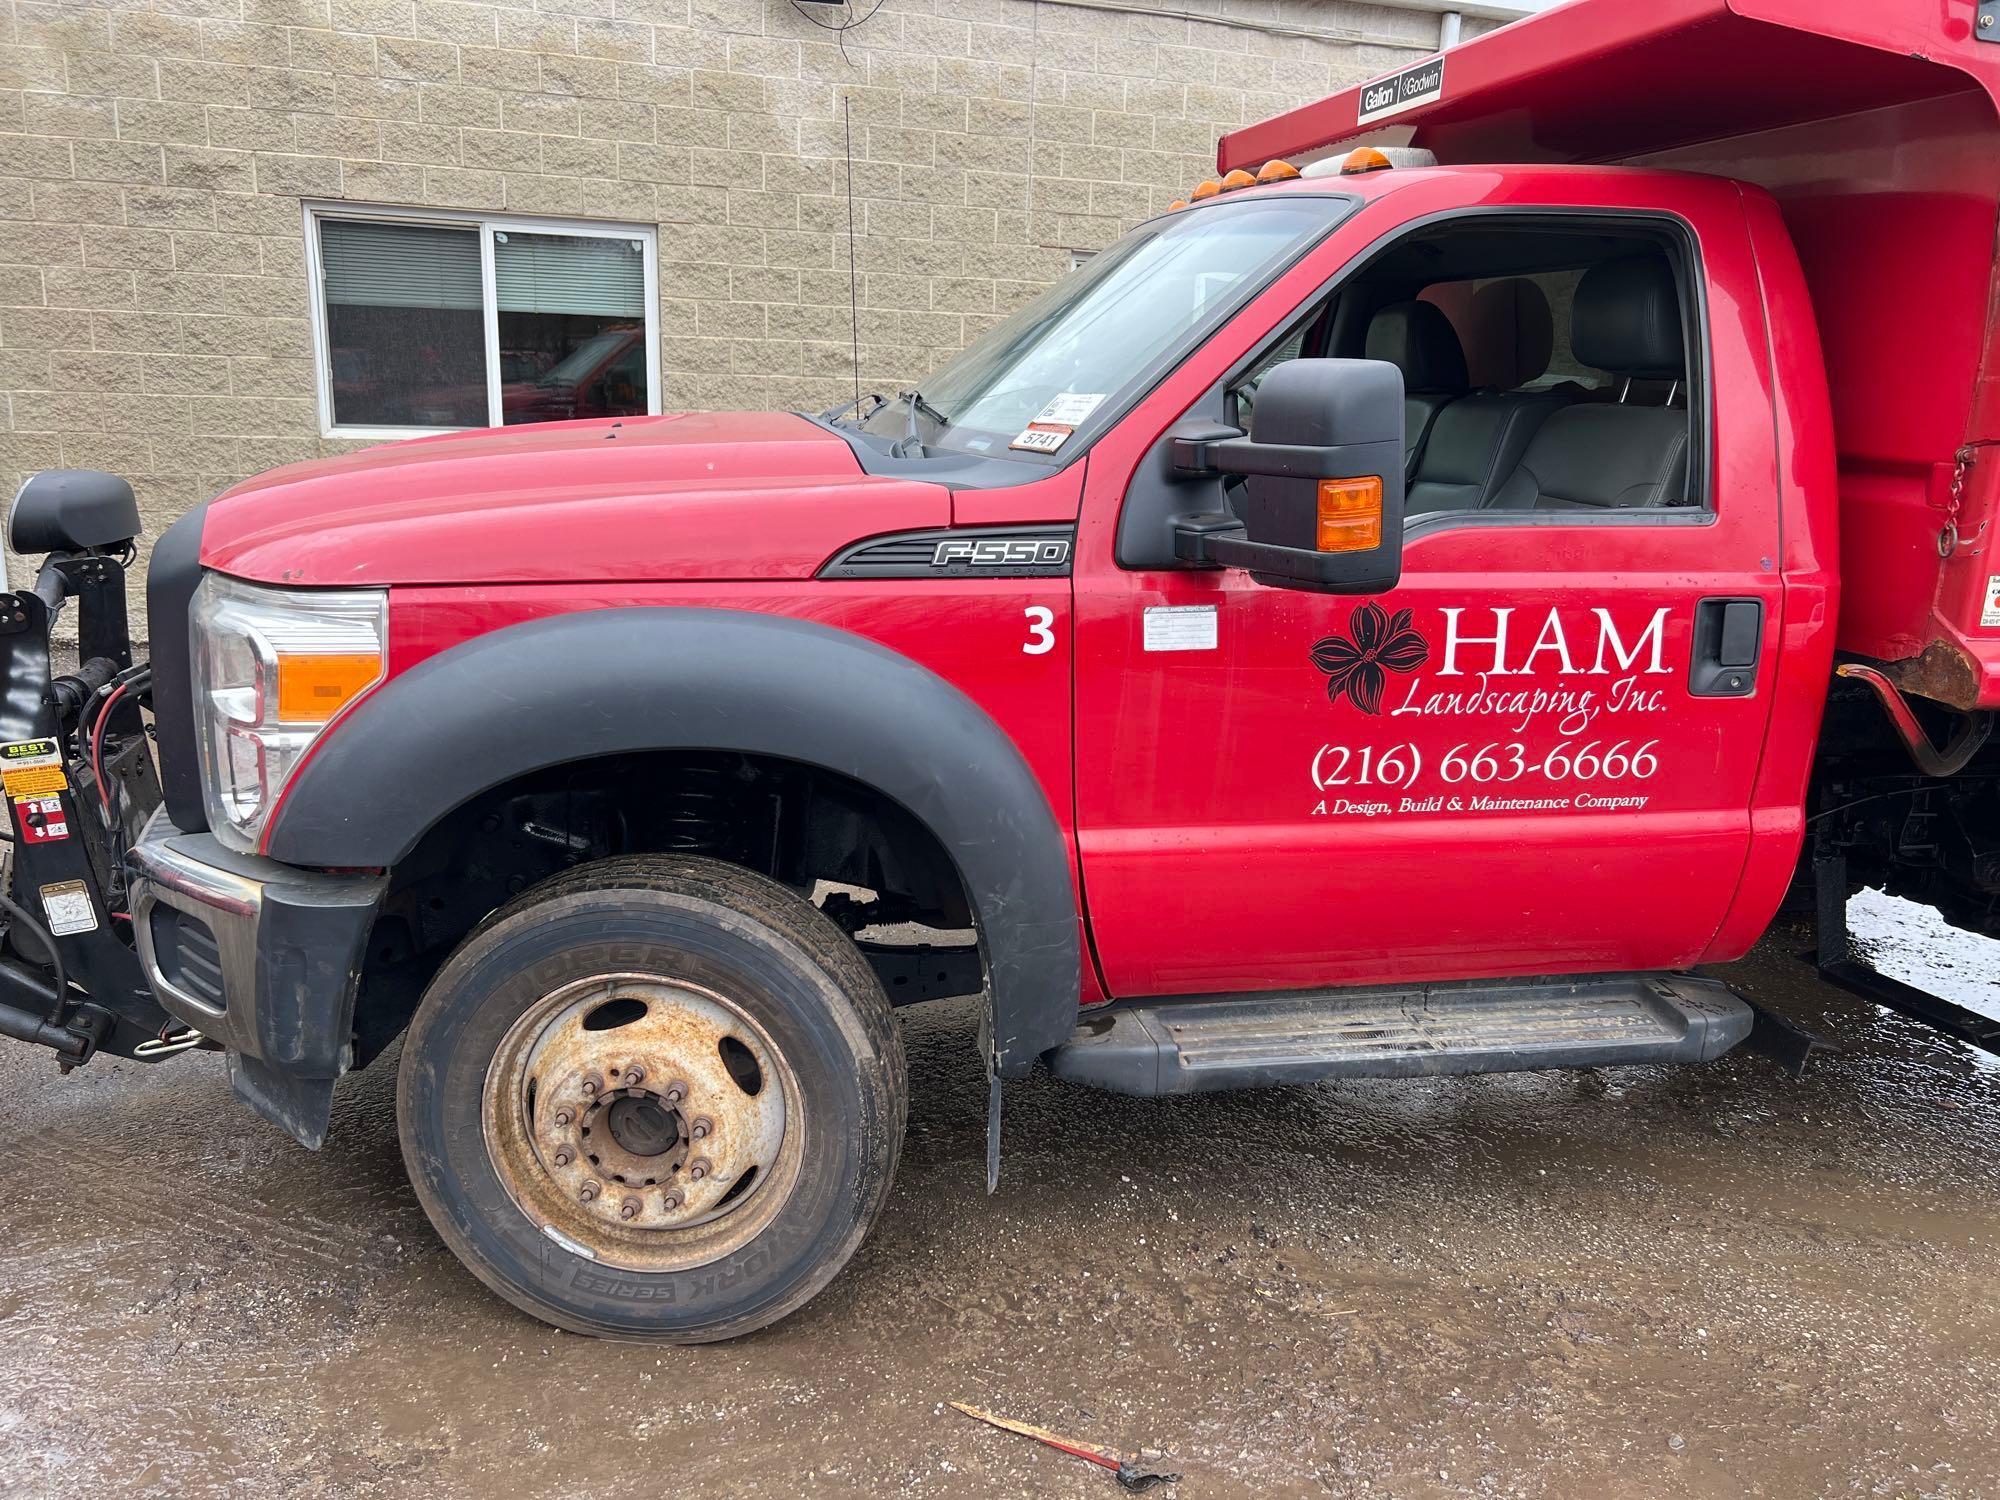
{"x": 1377, "y": 643}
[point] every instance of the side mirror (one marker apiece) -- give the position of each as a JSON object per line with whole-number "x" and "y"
{"x": 71, "y": 510}
{"x": 1324, "y": 465}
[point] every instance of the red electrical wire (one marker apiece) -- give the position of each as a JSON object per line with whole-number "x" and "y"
{"x": 97, "y": 746}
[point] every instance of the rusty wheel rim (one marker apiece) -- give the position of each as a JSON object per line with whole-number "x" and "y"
{"x": 643, "y": 1122}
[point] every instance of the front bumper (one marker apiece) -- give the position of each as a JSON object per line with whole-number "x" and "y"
{"x": 260, "y": 956}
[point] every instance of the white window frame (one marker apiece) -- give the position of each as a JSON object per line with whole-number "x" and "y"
{"x": 487, "y": 225}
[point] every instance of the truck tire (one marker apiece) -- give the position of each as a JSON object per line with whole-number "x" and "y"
{"x": 654, "y": 1098}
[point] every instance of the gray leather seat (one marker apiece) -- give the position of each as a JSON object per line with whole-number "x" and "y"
{"x": 1419, "y": 340}
{"x": 1474, "y": 450}
{"x": 1477, "y": 441}
{"x": 1613, "y": 456}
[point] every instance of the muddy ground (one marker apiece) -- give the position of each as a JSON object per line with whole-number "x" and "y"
{"x": 1708, "y": 1282}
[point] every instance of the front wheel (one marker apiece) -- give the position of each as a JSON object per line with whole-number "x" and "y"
{"x": 654, "y": 1098}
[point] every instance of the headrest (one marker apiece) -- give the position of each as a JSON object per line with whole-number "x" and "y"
{"x": 1627, "y": 318}
{"x": 1513, "y": 334}
{"x": 1418, "y": 339}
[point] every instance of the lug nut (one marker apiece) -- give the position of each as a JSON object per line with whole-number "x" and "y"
{"x": 676, "y": 1091}
{"x": 629, "y": 1209}
{"x": 671, "y": 1201}
{"x": 564, "y": 1116}
{"x": 592, "y": 1086}
{"x": 564, "y": 1156}
{"x": 699, "y": 1131}
{"x": 635, "y": 1074}
{"x": 699, "y": 1168}
{"x": 588, "y": 1191}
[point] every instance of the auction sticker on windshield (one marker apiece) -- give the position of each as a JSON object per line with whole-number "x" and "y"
{"x": 1042, "y": 437}
{"x": 1070, "y": 408}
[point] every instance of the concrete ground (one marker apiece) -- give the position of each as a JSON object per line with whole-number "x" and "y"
{"x": 1697, "y": 1282}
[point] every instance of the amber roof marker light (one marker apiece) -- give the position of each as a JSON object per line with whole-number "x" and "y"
{"x": 1277, "y": 171}
{"x": 1370, "y": 159}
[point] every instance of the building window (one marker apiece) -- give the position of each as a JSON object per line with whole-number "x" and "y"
{"x": 427, "y": 323}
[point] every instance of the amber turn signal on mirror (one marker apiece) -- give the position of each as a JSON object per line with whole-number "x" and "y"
{"x": 1350, "y": 514}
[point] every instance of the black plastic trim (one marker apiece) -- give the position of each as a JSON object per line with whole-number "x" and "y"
{"x": 916, "y": 554}
{"x": 606, "y": 682}
{"x": 172, "y": 576}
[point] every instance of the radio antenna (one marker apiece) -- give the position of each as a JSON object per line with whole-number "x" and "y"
{"x": 853, "y": 295}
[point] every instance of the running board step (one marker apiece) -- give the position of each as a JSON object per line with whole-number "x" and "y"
{"x": 1191, "y": 1046}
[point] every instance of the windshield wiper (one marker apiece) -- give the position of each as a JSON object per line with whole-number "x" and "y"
{"x": 917, "y": 405}
{"x": 835, "y": 413}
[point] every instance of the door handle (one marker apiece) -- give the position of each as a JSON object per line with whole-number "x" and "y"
{"x": 1728, "y": 640}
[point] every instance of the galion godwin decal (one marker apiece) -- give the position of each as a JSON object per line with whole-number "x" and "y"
{"x": 1377, "y": 643}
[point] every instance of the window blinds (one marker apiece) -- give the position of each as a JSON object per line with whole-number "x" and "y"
{"x": 563, "y": 273}
{"x": 399, "y": 265}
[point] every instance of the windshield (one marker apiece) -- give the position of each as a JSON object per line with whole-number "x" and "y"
{"x": 1095, "y": 337}
{"x": 585, "y": 357}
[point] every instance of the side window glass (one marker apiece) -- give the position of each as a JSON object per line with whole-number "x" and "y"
{"x": 1544, "y": 365}
{"x": 1243, "y": 392}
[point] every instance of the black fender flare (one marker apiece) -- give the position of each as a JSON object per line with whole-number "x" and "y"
{"x": 603, "y": 682}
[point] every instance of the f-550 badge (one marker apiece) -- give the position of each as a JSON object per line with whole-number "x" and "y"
{"x": 1002, "y": 552}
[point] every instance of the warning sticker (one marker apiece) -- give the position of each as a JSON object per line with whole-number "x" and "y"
{"x": 1181, "y": 627}
{"x": 1042, "y": 437}
{"x": 32, "y": 768}
{"x": 1990, "y": 615}
{"x": 1070, "y": 408}
{"x": 33, "y": 781}
{"x": 40, "y": 820}
{"x": 69, "y": 908}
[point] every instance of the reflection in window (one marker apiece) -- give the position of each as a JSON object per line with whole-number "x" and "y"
{"x": 404, "y": 339}
{"x": 436, "y": 323}
{"x": 572, "y": 312}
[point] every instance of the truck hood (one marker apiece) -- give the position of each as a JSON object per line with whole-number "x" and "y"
{"x": 705, "y": 495}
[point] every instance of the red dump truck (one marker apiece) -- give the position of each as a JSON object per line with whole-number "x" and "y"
{"x": 1398, "y": 613}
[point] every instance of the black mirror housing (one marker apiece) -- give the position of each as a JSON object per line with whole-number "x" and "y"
{"x": 71, "y": 510}
{"x": 1315, "y": 419}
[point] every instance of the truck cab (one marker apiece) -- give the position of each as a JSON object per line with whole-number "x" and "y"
{"x": 1378, "y": 618}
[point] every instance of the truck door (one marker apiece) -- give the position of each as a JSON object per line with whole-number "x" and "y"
{"x": 1536, "y": 753}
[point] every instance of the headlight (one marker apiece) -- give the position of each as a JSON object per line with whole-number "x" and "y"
{"x": 272, "y": 667}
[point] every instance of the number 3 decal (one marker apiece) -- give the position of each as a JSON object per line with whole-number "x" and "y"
{"x": 1041, "y": 637}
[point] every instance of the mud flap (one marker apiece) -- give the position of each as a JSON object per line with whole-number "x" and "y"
{"x": 301, "y": 1107}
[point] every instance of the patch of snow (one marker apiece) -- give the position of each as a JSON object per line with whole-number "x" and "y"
{"x": 1914, "y": 944}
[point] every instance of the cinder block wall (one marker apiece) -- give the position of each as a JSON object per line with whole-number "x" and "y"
{"x": 153, "y": 297}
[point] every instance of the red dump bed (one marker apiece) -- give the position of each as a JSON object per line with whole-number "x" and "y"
{"x": 1873, "y": 122}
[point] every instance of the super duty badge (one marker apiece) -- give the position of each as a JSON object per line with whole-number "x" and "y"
{"x": 948, "y": 552}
